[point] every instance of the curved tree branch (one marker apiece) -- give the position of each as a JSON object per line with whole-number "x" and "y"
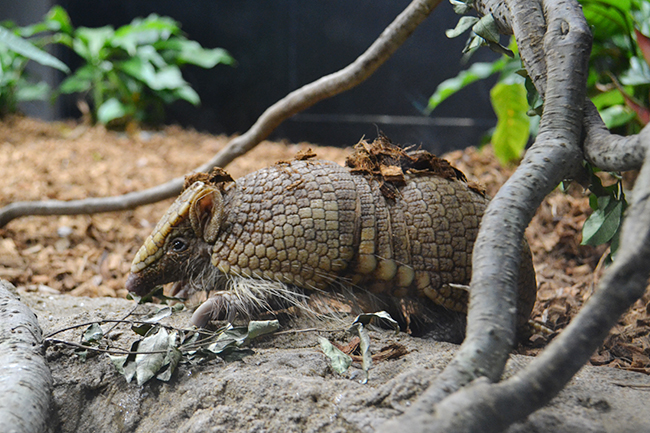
{"x": 609, "y": 151}
{"x": 556, "y": 152}
{"x": 487, "y": 408}
{"x": 365, "y": 65}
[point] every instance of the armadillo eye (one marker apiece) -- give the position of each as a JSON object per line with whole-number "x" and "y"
{"x": 179, "y": 245}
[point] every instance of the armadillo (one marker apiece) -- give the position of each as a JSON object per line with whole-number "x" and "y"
{"x": 395, "y": 224}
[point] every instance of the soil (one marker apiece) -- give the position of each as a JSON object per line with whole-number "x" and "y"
{"x": 90, "y": 255}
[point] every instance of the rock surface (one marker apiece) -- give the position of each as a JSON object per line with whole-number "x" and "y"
{"x": 287, "y": 385}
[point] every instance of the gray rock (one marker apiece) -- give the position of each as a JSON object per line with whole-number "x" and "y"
{"x": 288, "y": 386}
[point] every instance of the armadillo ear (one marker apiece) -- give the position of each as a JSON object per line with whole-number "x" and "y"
{"x": 205, "y": 215}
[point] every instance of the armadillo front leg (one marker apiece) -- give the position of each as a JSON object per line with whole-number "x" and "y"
{"x": 245, "y": 298}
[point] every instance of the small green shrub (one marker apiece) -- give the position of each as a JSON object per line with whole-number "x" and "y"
{"x": 131, "y": 73}
{"x": 16, "y": 51}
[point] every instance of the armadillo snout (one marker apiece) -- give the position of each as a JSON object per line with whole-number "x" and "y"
{"x": 136, "y": 284}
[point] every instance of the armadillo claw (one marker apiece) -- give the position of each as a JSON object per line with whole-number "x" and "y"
{"x": 224, "y": 305}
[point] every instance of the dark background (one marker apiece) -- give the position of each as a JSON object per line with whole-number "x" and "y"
{"x": 284, "y": 44}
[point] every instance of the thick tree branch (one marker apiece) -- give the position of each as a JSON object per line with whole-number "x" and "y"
{"x": 609, "y": 151}
{"x": 556, "y": 152}
{"x": 488, "y": 408}
{"x": 25, "y": 379}
{"x": 364, "y": 66}
{"x": 602, "y": 149}
{"x": 527, "y": 22}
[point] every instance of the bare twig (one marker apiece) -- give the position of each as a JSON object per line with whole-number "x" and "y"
{"x": 365, "y": 65}
{"x": 100, "y": 350}
{"x": 116, "y": 321}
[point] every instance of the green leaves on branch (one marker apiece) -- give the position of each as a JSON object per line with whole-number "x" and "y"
{"x": 18, "y": 45}
{"x": 484, "y": 32}
{"x": 16, "y": 51}
{"x": 608, "y": 204}
{"x": 509, "y": 97}
{"x": 513, "y": 124}
{"x": 619, "y": 61}
{"x": 478, "y": 71}
{"x": 131, "y": 73}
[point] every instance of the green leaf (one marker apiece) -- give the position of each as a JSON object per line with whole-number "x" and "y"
{"x": 616, "y": 115}
{"x": 118, "y": 362}
{"x": 89, "y": 43}
{"x": 110, "y": 110}
{"x": 92, "y": 335}
{"x": 486, "y": 28}
{"x": 188, "y": 94}
{"x": 381, "y": 316}
{"x": 192, "y": 52}
{"x": 473, "y": 44}
{"x": 142, "y": 328}
{"x": 230, "y": 338}
{"x": 141, "y": 69}
{"x": 235, "y": 337}
{"x": 614, "y": 244}
{"x": 461, "y": 7}
{"x": 639, "y": 73}
{"x": 80, "y": 81}
{"x": 477, "y": 71}
{"x": 513, "y": 124}
{"x": 500, "y": 49}
{"x": 464, "y": 24}
{"x": 27, "y": 49}
{"x": 608, "y": 17}
{"x": 641, "y": 16}
{"x": 607, "y": 99}
{"x": 146, "y": 31}
{"x": 59, "y": 16}
{"x": 339, "y": 360}
{"x": 364, "y": 346}
{"x": 172, "y": 358}
{"x": 257, "y": 328}
{"x": 33, "y": 91}
{"x": 148, "y": 364}
{"x": 150, "y": 54}
{"x": 169, "y": 77}
{"x": 602, "y": 225}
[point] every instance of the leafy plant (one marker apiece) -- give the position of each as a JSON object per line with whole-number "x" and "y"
{"x": 619, "y": 75}
{"x": 608, "y": 204}
{"x": 131, "y": 73}
{"x": 15, "y": 53}
{"x": 509, "y": 96}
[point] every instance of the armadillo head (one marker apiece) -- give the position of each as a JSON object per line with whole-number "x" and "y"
{"x": 181, "y": 242}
